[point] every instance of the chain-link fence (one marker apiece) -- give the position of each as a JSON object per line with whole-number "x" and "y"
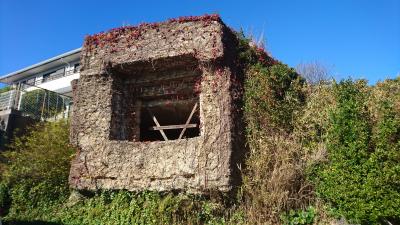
{"x": 35, "y": 102}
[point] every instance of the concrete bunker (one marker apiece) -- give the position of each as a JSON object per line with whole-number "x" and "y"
{"x": 156, "y": 108}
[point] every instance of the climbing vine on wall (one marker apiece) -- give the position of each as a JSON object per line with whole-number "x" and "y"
{"x": 132, "y": 33}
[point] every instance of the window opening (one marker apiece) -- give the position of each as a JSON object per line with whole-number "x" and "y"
{"x": 46, "y": 77}
{"x": 155, "y": 105}
{"x": 77, "y": 67}
{"x": 169, "y": 120}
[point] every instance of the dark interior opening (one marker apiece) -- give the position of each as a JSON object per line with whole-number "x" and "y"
{"x": 164, "y": 88}
{"x": 168, "y": 112}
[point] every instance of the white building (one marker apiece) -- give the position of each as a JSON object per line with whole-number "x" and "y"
{"x": 54, "y": 74}
{"x": 52, "y": 78}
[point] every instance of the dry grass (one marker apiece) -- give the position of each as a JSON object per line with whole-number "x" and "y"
{"x": 276, "y": 168}
{"x": 274, "y": 181}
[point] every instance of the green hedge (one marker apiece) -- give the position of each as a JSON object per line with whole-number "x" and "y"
{"x": 361, "y": 179}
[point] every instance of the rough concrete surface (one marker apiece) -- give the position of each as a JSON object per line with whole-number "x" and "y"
{"x": 179, "y": 60}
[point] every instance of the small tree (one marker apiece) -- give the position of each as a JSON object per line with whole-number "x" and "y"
{"x": 314, "y": 72}
{"x": 37, "y": 166}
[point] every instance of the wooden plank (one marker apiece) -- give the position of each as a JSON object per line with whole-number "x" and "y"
{"x": 170, "y": 127}
{"x": 188, "y": 121}
{"x": 154, "y": 103}
{"x": 158, "y": 124}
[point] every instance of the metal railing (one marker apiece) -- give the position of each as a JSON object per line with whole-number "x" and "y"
{"x": 37, "y": 103}
{"x": 52, "y": 76}
{"x": 6, "y": 99}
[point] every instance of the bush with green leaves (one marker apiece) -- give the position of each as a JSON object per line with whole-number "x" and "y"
{"x": 44, "y": 153}
{"x": 273, "y": 178}
{"x": 123, "y": 207}
{"x": 4, "y": 198}
{"x": 37, "y": 167}
{"x": 300, "y": 217}
{"x": 361, "y": 179}
{"x": 272, "y": 97}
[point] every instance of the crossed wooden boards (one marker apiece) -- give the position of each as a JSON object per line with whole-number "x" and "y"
{"x": 171, "y": 127}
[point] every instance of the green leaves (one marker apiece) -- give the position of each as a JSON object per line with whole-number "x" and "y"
{"x": 301, "y": 217}
{"x": 272, "y": 96}
{"x": 360, "y": 180}
{"x": 37, "y": 168}
{"x": 43, "y": 154}
{"x": 273, "y": 181}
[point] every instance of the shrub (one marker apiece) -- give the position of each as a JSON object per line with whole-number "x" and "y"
{"x": 43, "y": 154}
{"x": 272, "y": 96}
{"x": 311, "y": 124}
{"x": 4, "y": 198}
{"x": 37, "y": 167}
{"x": 273, "y": 179}
{"x": 123, "y": 207}
{"x": 361, "y": 178}
{"x": 301, "y": 217}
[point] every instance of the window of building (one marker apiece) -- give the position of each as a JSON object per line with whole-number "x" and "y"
{"x": 46, "y": 77}
{"x": 77, "y": 67}
{"x": 53, "y": 75}
{"x": 31, "y": 81}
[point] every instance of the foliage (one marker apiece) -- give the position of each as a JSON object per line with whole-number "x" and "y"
{"x": 119, "y": 207}
{"x": 302, "y": 217}
{"x": 249, "y": 54}
{"x": 3, "y": 142}
{"x": 43, "y": 154}
{"x": 123, "y": 207}
{"x": 272, "y": 96}
{"x": 37, "y": 167}
{"x": 273, "y": 181}
{"x": 312, "y": 124}
{"x": 5, "y": 89}
{"x": 4, "y": 198}
{"x": 361, "y": 178}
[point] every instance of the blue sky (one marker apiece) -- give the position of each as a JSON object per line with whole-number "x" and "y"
{"x": 356, "y": 38}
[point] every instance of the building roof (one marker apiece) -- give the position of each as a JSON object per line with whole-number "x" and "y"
{"x": 42, "y": 66}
